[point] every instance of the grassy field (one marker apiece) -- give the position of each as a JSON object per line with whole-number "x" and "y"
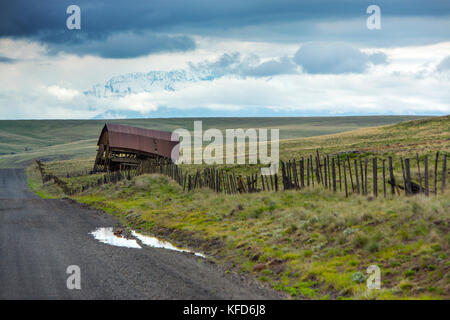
{"x": 309, "y": 244}
{"x": 22, "y": 141}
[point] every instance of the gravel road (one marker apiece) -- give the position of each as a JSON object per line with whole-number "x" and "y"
{"x": 40, "y": 238}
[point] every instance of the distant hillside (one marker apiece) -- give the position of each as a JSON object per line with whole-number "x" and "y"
{"x": 406, "y": 137}
{"x": 24, "y": 140}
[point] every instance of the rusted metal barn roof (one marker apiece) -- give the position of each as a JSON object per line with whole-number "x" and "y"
{"x": 140, "y": 139}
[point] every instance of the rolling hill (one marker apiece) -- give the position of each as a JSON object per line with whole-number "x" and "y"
{"x": 21, "y": 141}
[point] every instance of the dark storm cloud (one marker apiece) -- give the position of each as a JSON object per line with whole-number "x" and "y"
{"x": 289, "y": 20}
{"x": 126, "y": 45}
{"x": 335, "y": 58}
{"x": 110, "y": 29}
{"x": 7, "y": 60}
{"x": 24, "y": 18}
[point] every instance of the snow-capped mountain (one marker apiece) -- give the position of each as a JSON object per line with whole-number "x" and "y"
{"x": 152, "y": 81}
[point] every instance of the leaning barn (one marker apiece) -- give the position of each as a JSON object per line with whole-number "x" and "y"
{"x": 124, "y": 147}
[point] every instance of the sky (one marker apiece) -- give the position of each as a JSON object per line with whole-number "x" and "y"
{"x": 264, "y": 58}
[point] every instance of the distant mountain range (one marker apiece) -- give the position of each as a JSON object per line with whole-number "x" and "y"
{"x": 152, "y": 81}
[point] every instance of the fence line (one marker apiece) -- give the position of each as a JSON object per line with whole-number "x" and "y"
{"x": 294, "y": 176}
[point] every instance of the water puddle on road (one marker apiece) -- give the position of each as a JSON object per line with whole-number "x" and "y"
{"x": 158, "y": 243}
{"x": 108, "y": 236}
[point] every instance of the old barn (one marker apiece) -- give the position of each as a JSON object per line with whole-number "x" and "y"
{"x": 125, "y": 147}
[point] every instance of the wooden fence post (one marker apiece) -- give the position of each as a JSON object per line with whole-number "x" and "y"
{"x": 289, "y": 175}
{"x": 408, "y": 176}
{"x": 319, "y": 168}
{"x": 444, "y": 172}
{"x": 427, "y": 189}
{"x": 391, "y": 175}
{"x": 345, "y": 180}
{"x": 317, "y": 171}
{"x": 307, "y": 172}
{"x": 295, "y": 173}
{"x": 436, "y": 172}
{"x": 356, "y": 176}
{"x": 333, "y": 169}
{"x": 375, "y": 176}
{"x": 418, "y": 172}
{"x": 271, "y": 182}
{"x": 283, "y": 174}
{"x": 350, "y": 173}
{"x": 384, "y": 178}
{"x": 329, "y": 172}
{"x": 362, "y": 175}
{"x": 339, "y": 169}
{"x": 365, "y": 178}
{"x": 404, "y": 177}
{"x": 302, "y": 173}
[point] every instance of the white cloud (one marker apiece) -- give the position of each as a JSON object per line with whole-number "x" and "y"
{"x": 141, "y": 102}
{"x": 21, "y": 49}
{"x": 50, "y": 86}
{"x": 327, "y": 94}
{"x": 372, "y": 93}
{"x": 62, "y": 94}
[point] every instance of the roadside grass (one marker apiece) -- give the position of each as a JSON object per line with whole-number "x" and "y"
{"x": 72, "y": 167}
{"x": 47, "y": 191}
{"x": 310, "y": 244}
